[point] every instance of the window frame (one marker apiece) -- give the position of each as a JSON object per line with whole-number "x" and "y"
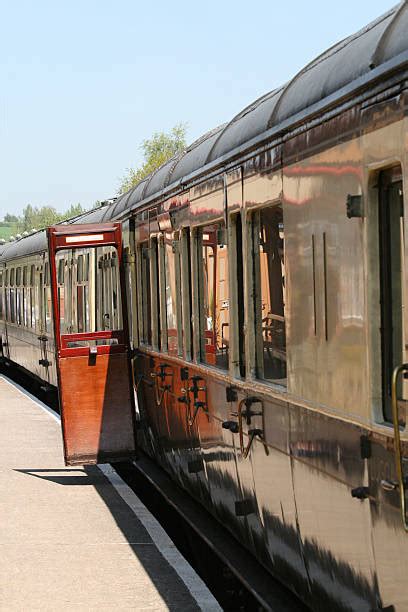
{"x": 162, "y": 293}
{"x": 172, "y": 240}
{"x": 12, "y": 296}
{"x": 256, "y": 347}
{"x": 198, "y": 294}
{"x": 185, "y": 271}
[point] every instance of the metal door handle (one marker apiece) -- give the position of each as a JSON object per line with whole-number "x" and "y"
{"x": 389, "y": 485}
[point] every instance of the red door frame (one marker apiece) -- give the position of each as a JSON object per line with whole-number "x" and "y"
{"x": 64, "y": 237}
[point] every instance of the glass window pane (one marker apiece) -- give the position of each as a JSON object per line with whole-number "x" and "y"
{"x": 48, "y": 306}
{"x": 271, "y": 264}
{"x": 146, "y": 335}
{"x": 80, "y": 309}
{"x": 12, "y": 297}
{"x": 171, "y": 308}
{"x": 88, "y": 301}
{"x": 215, "y": 291}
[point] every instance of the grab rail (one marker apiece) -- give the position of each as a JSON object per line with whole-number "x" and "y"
{"x": 397, "y": 440}
{"x": 247, "y": 414}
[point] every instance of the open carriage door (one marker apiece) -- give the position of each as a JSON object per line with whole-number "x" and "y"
{"x": 96, "y": 396}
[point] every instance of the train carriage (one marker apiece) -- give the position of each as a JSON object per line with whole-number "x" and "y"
{"x": 265, "y": 298}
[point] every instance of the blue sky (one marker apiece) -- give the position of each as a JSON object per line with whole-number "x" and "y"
{"x": 83, "y": 82}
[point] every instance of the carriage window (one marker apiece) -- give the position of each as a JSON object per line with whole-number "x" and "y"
{"x": 25, "y": 298}
{"x": 269, "y": 276}
{"x": 82, "y": 302}
{"x": 116, "y": 304}
{"x": 32, "y": 300}
{"x": 80, "y": 269}
{"x": 105, "y": 286}
{"x": 100, "y": 293}
{"x": 7, "y": 296}
{"x": 87, "y": 297}
{"x": 146, "y": 331}
{"x": 172, "y": 281}
{"x": 12, "y": 296}
{"x": 61, "y": 293}
{"x": 19, "y": 311}
{"x": 392, "y": 286}
{"x": 185, "y": 293}
{"x": 47, "y": 299}
{"x": 214, "y": 289}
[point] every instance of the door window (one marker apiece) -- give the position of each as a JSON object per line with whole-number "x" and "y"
{"x": 146, "y": 290}
{"x": 392, "y": 283}
{"x": 214, "y": 289}
{"x": 269, "y": 275}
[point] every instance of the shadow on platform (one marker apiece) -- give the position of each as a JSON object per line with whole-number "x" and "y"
{"x": 173, "y": 592}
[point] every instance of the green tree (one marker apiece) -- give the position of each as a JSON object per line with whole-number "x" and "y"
{"x": 156, "y": 150}
{"x": 28, "y": 218}
{"x": 48, "y": 215}
{"x": 34, "y": 217}
{"x": 73, "y": 211}
{"x": 8, "y": 218}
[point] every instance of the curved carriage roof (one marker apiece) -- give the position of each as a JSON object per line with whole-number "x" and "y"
{"x": 380, "y": 46}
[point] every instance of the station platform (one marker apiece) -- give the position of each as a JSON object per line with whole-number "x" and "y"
{"x": 78, "y": 538}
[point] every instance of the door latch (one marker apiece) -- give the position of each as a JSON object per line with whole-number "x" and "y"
{"x": 44, "y": 362}
{"x": 360, "y": 492}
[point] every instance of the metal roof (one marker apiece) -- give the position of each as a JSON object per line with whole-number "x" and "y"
{"x": 353, "y": 62}
{"x": 34, "y": 243}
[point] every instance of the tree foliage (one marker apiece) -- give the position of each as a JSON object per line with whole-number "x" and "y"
{"x": 34, "y": 217}
{"x": 37, "y": 218}
{"x": 10, "y": 218}
{"x": 156, "y": 151}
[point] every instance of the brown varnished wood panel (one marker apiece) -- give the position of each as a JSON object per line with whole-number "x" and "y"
{"x": 96, "y": 408}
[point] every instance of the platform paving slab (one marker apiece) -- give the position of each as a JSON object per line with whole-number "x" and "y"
{"x": 69, "y": 538}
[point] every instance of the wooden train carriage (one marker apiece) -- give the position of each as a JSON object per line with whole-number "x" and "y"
{"x": 25, "y": 307}
{"x": 270, "y": 315}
